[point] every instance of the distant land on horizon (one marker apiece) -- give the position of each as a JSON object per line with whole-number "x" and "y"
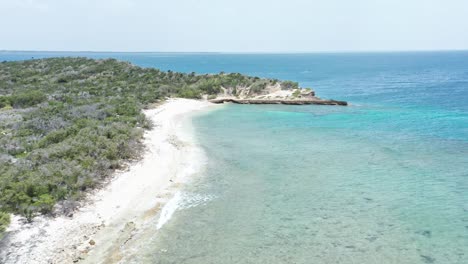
{"x": 245, "y": 52}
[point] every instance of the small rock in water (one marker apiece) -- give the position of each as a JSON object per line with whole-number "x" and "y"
{"x": 426, "y": 233}
{"x": 427, "y": 259}
{"x": 371, "y": 238}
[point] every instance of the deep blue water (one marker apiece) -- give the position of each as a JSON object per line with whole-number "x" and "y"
{"x": 384, "y": 180}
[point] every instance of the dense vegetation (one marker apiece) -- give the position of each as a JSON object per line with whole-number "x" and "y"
{"x": 67, "y": 123}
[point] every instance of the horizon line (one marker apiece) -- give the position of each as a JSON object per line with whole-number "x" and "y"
{"x": 242, "y": 52}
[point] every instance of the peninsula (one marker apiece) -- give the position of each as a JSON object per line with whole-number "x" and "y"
{"x": 68, "y": 124}
{"x": 51, "y": 108}
{"x": 287, "y": 93}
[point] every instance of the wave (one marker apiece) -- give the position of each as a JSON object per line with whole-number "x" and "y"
{"x": 181, "y": 201}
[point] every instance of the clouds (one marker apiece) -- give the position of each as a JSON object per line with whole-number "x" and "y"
{"x": 242, "y": 25}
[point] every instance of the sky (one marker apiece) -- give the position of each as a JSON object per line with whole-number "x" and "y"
{"x": 233, "y": 25}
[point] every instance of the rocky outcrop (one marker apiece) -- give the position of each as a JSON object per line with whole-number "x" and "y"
{"x": 307, "y": 93}
{"x": 315, "y": 101}
{"x": 272, "y": 94}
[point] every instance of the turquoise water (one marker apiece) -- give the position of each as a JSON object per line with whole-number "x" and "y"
{"x": 384, "y": 180}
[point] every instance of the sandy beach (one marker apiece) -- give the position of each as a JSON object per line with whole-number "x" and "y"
{"x": 113, "y": 214}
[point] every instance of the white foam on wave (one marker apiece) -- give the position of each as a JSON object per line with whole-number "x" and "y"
{"x": 169, "y": 209}
{"x": 178, "y": 202}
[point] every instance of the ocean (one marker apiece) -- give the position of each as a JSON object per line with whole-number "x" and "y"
{"x": 384, "y": 180}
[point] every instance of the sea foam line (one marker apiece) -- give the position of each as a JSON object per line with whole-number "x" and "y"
{"x": 178, "y": 202}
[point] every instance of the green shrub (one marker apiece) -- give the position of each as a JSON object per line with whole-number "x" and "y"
{"x": 4, "y": 101}
{"x": 4, "y": 221}
{"x": 27, "y": 99}
{"x": 257, "y": 87}
{"x": 54, "y": 137}
{"x": 209, "y": 86}
{"x": 45, "y": 203}
{"x": 189, "y": 93}
{"x": 296, "y": 93}
{"x": 287, "y": 85}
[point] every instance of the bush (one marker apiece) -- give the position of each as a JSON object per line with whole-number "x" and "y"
{"x": 287, "y": 85}
{"x": 4, "y": 221}
{"x": 189, "y": 93}
{"x": 27, "y": 99}
{"x": 4, "y": 101}
{"x": 257, "y": 87}
{"x": 54, "y": 137}
{"x": 209, "y": 86}
{"x": 45, "y": 203}
{"x": 296, "y": 93}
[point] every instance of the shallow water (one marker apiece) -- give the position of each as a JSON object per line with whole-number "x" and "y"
{"x": 291, "y": 187}
{"x": 384, "y": 180}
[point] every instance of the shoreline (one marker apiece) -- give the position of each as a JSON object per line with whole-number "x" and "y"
{"x": 111, "y": 215}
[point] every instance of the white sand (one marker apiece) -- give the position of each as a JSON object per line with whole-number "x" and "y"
{"x": 115, "y": 213}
